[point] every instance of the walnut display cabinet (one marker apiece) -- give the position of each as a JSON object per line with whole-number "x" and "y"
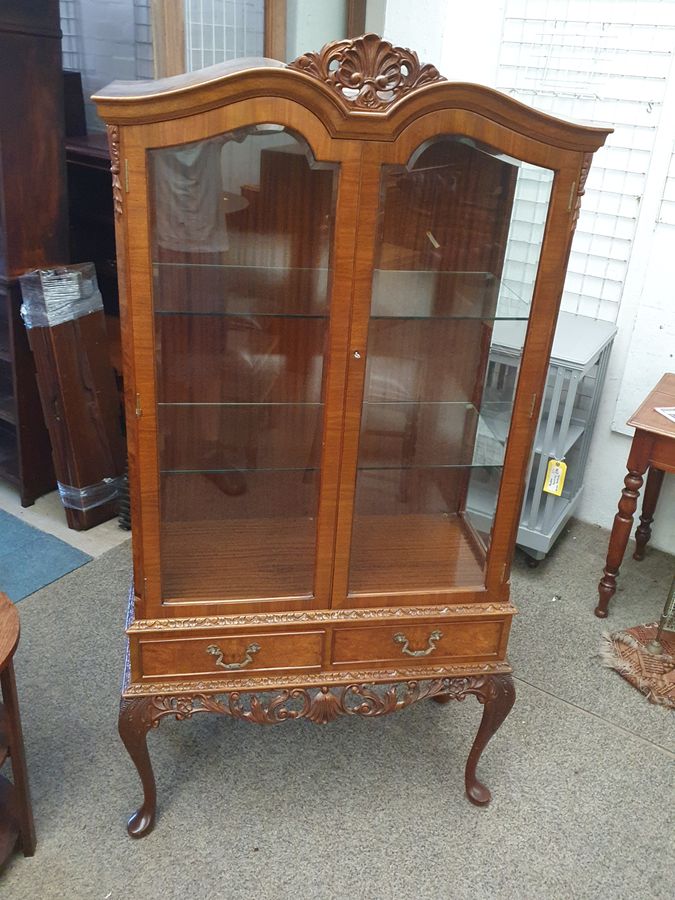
{"x": 312, "y": 262}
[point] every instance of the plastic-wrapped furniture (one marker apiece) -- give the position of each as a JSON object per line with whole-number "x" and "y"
{"x": 63, "y": 312}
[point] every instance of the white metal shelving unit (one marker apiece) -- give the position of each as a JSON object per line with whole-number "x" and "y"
{"x": 576, "y": 374}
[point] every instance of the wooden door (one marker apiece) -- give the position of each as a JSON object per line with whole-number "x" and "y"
{"x": 431, "y": 479}
{"x": 240, "y": 292}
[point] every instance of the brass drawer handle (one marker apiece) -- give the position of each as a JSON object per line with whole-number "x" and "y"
{"x": 251, "y": 650}
{"x": 434, "y": 637}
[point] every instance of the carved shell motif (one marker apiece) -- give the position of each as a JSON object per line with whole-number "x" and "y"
{"x": 367, "y": 72}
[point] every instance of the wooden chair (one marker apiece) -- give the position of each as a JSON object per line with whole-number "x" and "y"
{"x": 16, "y": 815}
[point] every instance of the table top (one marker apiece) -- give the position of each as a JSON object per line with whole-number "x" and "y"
{"x": 9, "y": 629}
{"x": 647, "y": 419}
{"x": 578, "y": 340}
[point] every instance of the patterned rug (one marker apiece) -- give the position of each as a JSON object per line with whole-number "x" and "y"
{"x": 652, "y": 674}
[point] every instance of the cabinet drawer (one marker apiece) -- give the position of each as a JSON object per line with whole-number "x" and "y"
{"x": 432, "y": 642}
{"x": 231, "y": 654}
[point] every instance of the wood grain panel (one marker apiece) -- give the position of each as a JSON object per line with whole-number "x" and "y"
{"x": 478, "y": 639}
{"x": 232, "y": 558}
{"x": 190, "y": 656}
{"x": 412, "y": 553}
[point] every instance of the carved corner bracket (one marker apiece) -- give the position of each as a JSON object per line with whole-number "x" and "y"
{"x": 114, "y": 144}
{"x": 367, "y": 72}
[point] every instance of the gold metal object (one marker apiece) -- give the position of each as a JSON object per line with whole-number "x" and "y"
{"x": 532, "y": 405}
{"x": 434, "y": 637}
{"x": 667, "y": 623}
{"x": 251, "y": 650}
{"x": 139, "y": 411}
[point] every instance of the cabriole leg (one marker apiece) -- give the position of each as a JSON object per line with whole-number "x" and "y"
{"x": 498, "y": 696}
{"x": 137, "y": 717}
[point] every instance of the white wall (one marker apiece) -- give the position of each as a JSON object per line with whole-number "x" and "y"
{"x": 419, "y": 26}
{"x": 310, "y": 25}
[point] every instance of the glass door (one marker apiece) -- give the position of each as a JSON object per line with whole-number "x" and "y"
{"x": 457, "y": 242}
{"x": 241, "y": 252}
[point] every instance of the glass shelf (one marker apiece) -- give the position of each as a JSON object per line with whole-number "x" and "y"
{"x": 225, "y": 471}
{"x": 262, "y": 403}
{"x": 236, "y": 290}
{"x": 430, "y": 434}
{"x": 243, "y": 316}
{"x": 403, "y": 294}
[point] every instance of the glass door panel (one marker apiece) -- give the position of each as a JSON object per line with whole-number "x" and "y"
{"x": 460, "y": 232}
{"x": 241, "y": 272}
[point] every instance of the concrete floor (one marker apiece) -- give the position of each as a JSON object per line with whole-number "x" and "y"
{"x": 581, "y": 771}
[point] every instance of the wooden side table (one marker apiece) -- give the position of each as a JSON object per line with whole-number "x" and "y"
{"x": 653, "y": 449}
{"x": 16, "y": 815}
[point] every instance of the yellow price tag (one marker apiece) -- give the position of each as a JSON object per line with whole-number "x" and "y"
{"x": 555, "y": 477}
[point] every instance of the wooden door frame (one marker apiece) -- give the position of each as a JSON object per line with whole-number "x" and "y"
{"x": 567, "y": 165}
{"x": 139, "y": 338}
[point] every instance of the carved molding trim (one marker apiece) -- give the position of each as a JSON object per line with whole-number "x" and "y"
{"x": 367, "y": 72}
{"x": 114, "y": 143}
{"x": 320, "y": 705}
{"x": 334, "y": 677}
{"x": 298, "y": 617}
{"x": 581, "y": 190}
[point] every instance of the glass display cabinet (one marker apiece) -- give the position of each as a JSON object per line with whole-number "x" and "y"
{"x": 313, "y": 262}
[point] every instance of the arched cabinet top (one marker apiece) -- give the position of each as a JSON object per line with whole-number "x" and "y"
{"x": 362, "y": 88}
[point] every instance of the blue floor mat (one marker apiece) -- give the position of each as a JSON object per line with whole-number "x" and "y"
{"x": 30, "y": 559}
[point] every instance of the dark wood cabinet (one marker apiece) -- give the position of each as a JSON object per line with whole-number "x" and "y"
{"x": 312, "y": 260}
{"x": 33, "y": 222}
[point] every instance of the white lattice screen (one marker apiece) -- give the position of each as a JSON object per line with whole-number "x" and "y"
{"x": 143, "y": 40}
{"x": 595, "y": 62}
{"x": 217, "y": 30}
{"x": 667, "y": 210}
{"x": 70, "y": 30}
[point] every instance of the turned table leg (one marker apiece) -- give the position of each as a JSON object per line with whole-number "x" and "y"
{"x": 136, "y": 718}
{"x": 638, "y": 460}
{"x": 650, "y": 499}
{"x": 18, "y": 757}
{"x": 498, "y": 696}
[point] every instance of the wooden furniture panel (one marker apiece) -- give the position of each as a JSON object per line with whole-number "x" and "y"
{"x": 420, "y": 644}
{"x": 90, "y": 212}
{"x": 307, "y": 366}
{"x": 16, "y": 814}
{"x": 223, "y": 654}
{"x": 652, "y": 451}
{"x": 33, "y": 222}
{"x": 81, "y": 407}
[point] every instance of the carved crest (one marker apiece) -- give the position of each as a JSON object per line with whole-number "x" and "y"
{"x": 367, "y": 72}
